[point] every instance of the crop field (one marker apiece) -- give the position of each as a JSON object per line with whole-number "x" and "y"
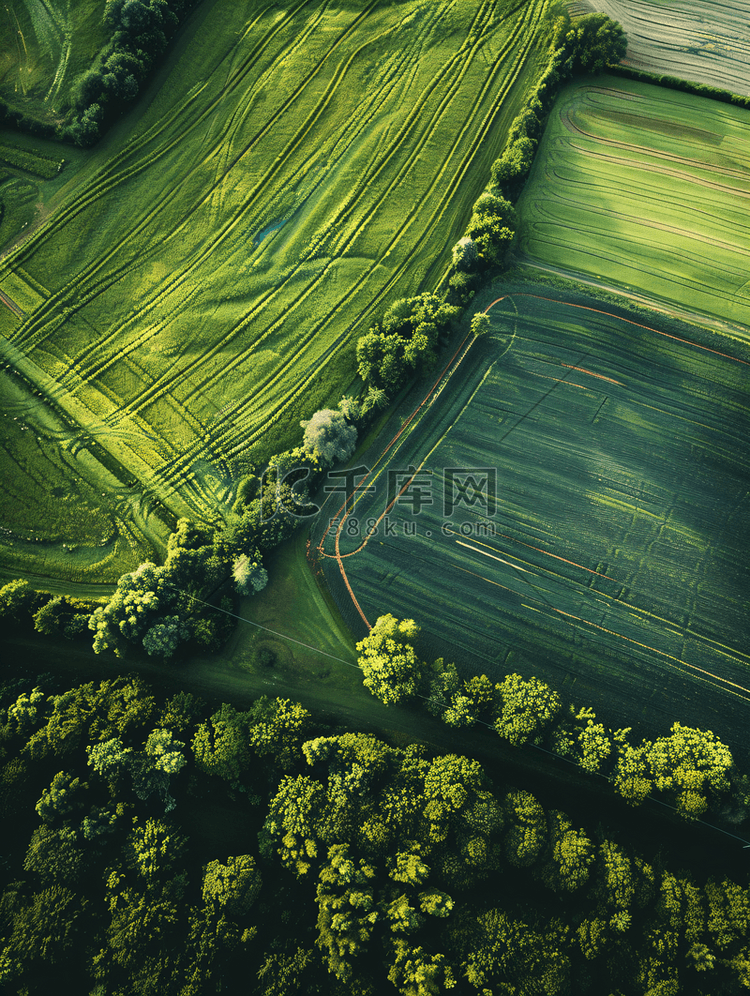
{"x": 610, "y": 556}
{"x": 648, "y": 189}
{"x": 203, "y": 278}
{"x": 706, "y": 43}
{"x": 44, "y": 46}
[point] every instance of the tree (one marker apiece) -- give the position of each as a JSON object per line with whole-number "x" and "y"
{"x": 492, "y": 227}
{"x": 249, "y": 574}
{"x": 464, "y": 253}
{"x": 480, "y": 324}
{"x": 632, "y": 779}
{"x": 162, "y": 639}
{"x": 54, "y": 855}
{"x": 25, "y": 712}
{"x": 505, "y": 955}
{"x": 18, "y": 601}
{"x": 283, "y": 975}
{"x": 527, "y": 707}
{"x": 597, "y": 41}
{"x": 328, "y": 437}
{"x": 108, "y": 758}
{"x": 293, "y": 817}
{"x": 232, "y": 887}
{"x": 220, "y": 746}
{"x": 392, "y": 671}
{"x": 570, "y": 858}
{"x": 62, "y": 798}
{"x": 690, "y": 763}
{"x": 153, "y": 849}
{"x": 346, "y": 910}
{"x": 140, "y": 597}
{"x": 415, "y": 972}
{"x": 595, "y": 746}
{"x": 527, "y": 830}
{"x": 277, "y": 727}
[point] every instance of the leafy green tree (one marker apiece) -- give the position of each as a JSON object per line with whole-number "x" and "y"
{"x": 615, "y": 886}
{"x": 108, "y": 759}
{"x": 408, "y": 867}
{"x": 62, "y": 799}
{"x": 284, "y": 975}
{"x": 44, "y": 930}
{"x": 328, "y": 437}
{"x": 592, "y": 935}
{"x": 220, "y": 746}
{"x": 595, "y": 746}
{"x": 153, "y": 849}
{"x": 508, "y": 956}
{"x": 444, "y": 684}
{"x": 598, "y": 42}
{"x": 233, "y": 886}
{"x": 277, "y": 727}
{"x": 515, "y": 162}
{"x": 292, "y": 820}
{"x": 163, "y": 638}
{"x": 728, "y": 913}
{"x": 480, "y": 324}
{"x": 139, "y": 599}
{"x": 346, "y": 910}
{"x": 55, "y": 856}
{"x": 570, "y": 857}
{"x": 526, "y": 835}
{"x": 527, "y": 707}
{"x": 415, "y": 972}
{"x": 26, "y": 711}
{"x": 464, "y": 253}
{"x": 64, "y": 615}
{"x": 632, "y": 777}
{"x": 392, "y": 670}
{"x": 181, "y": 713}
{"x": 18, "y": 602}
{"x": 250, "y": 576}
{"x": 691, "y": 764}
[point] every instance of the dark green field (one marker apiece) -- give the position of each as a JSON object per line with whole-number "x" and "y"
{"x": 616, "y": 559}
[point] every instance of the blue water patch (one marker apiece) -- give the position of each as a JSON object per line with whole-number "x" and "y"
{"x": 267, "y": 231}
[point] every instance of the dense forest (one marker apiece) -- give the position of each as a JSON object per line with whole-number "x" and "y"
{"x": 365, "y": 867}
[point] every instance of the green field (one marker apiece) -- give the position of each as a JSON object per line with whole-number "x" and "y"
{"x": 203, "y": 278}
{"x": 646, "y": 189}
{"x": 706, "y": 43}
{"x": 616, "y": 560}
{"x": 44, "y": 46}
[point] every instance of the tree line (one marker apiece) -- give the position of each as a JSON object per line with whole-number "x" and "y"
{"x": 365, "y": 868}
{"x": 187, "y": 601}
{"x": 690, "y": 768}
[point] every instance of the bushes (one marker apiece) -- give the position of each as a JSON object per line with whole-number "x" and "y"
{"x": 405, "y": 342}
{"x": 140, "y": 32}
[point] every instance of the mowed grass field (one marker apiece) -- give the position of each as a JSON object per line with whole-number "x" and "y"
{"x": 202, "y": 281}
{"x": 648, "y": 189}
{"x": 615, "y": 564}
{"x": 707, "y": 43}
